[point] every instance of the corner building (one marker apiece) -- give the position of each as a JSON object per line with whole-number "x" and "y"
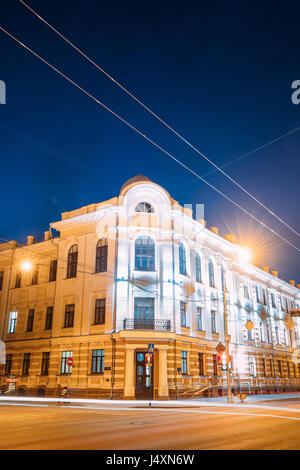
{"x": 138, "y": 270}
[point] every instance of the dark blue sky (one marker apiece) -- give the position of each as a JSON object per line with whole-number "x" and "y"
{"x": 218, "y": 72}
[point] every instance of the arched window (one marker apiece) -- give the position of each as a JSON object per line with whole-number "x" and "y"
{"x": 72, "y": 261}
{"x": 144, "y": 254}
{"x": 182, "y": 259}
{"x": 144, "y": 207}
{"x": 198, "y": 268}
{"x": 211, "y": 273}
{"x": 101, "y": 256}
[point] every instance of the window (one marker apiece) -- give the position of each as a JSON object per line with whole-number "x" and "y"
{"x": 273, "y": 300}
{"x": 64, "y": 368}
{"x": 144, "y": 254}
{"x": 184, "y": 362}
{"x": 201, "y": 363}
{"x": 12, "y": 322}
{"x": 213, "y": 321}
{"x": 97, "y": 361}
{"x": 271, "y": 367}
{"x": 252, "y": 371}
{"x": 30, "y": 320}
{"x": 49, "y": 317}
{"x": 268, "y": 333}
{"x": 72, "y": 262}
{"x": 8, "y": 364}
{"x": 69, "y": 315}
{"x": 288, "y": 366}
{"x": 18, "y": 280}
{"x": 45, "y": 363}
{"x": 246, "y": 292}
{"x": 215, "y": 364}
{"x": 199, "y": 319}
{"x": 35, "y": 274}
{"x": 26, "y": 364}
{"x": 53, "y": 270}
{"x": 182, "y": 313}
{"x": 182, "y": 259}
{"x": 198, "y": 268}
{"x": 101, "y": 256}
{"x": 261, "y": 329}
{"x": 249, "y": 332}
{"x": 279, "y": 368}
{"x": 223, "y": 278}
{"x": 264, "y": 296}
{"x": 144, "y": 207}
{"x": 257, "y": 294}
{"x": 277, "y": 334}
{"x": 99, "y": 312}
{"x": 1, "y": 279}
{"x": 144, "y": 312}
{"x": 264, "y": 367}
{"x": 211, "y": 274}
{"x": 281, "y": 303}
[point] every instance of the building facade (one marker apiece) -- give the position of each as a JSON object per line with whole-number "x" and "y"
{"x": 134, "y": 271}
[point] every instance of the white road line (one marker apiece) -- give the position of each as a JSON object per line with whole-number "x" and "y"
{"x": 23, "y": 404}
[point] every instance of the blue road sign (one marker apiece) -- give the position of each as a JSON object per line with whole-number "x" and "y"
{"x": 150, "y": 348}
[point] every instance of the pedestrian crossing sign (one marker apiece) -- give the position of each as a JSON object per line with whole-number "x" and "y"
{"x": 150, "y": 348}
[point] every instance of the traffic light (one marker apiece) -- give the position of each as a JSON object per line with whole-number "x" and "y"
{"x": 224, "y": 361}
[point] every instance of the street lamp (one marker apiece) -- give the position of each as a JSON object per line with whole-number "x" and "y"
{"x": 243, "y": 256}
{"x": 26, "y": 266}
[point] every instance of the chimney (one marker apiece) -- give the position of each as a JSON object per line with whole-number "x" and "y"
{"x": 47, "y": 235}
{"x": 215, "y": 230}
{"x": 298, "y": 285}
{"x": 265, "y": 268}
{"x": 230, "y": 237}
{"x": 30, "y": 239}
{"x": 275, "y": 273}
{"x": 292, "y": 283}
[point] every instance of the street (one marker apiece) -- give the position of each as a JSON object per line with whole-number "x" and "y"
{"x": 68, "y": 427}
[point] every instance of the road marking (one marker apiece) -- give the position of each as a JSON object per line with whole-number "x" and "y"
{"x": 23, "y": 404}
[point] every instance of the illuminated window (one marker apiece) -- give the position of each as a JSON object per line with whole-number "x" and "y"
{"x": 12, "y": 322}
{"x": 182, "y": 259}
{"x": 199, "y": 319}
{"x": 144, "y": 254}
{"x": 252, "y": 371}
{"x": 97, "y": 361}
{"x": 211, "y": 274}
{"x": 198, "y": 268}
{"x": 64, "y": 368}
{"x": 144, "y": 207}
{"x": 72, "y": 262}
{"x": 144, "y": 312}
{"x": 101, "y": 256}
{"x": 182, "y": 313}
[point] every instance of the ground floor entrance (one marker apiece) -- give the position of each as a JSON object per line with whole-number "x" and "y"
{"x": 144, "y": 377}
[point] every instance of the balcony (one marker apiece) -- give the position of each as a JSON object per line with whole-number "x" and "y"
{"x": 136, "y": 324}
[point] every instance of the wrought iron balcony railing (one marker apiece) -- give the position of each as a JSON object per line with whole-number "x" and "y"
{"x": 135, "y": 324}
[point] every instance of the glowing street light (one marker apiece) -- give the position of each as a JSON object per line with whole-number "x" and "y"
{"x": 26, "y": 266}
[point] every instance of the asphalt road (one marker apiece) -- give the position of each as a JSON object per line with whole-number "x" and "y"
{"x": 61, "y": 427}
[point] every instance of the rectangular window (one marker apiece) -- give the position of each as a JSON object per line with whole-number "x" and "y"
{"x": 49, "y": 317}
{"x": 264, "y": 367}
{"x": 199, "y": 319}
{"x": 246, "y": 292}
{"x": 97, "y": 361}
{"x": 18, "y": 280}
{"x": 53, "y": 270}
{"x": 1, "y": 279}
{"x": 12, "y": 322}
{"x": 45, "y": 363}
{"x": 281, "y": 303}
{"x": 144, "y": 313}
{"x": 26, "y": 364}
{"x": 35, "y": 274}
{"x": 100, "y": 311}
{"x": 213, "y": 321}
{"x": 101, "y": 258}
{"x": 252, "y": 371}
{"x": 271, "y": 368}
{"x": 183, "y": 313}
{"x": 279, "y": 368}
{"x": 30, "y": 320}
{"x": 277, "y": 335}
{"x": 184, "y": 362}
{"x": 288, "y": 365}
{"x": 264, "y": 296}
{"x": 64, "y": 368}
{"x": 249, "y": 332}
{"x": 261, "y": 329}
{"x": 8, "y": 364}
{"x": 273, "y": 300}
{"x": 215, "y": 364}
{"x": 201, "y": 364}
{"x": 69, "y": 315}
{"x": 257, "y": 294}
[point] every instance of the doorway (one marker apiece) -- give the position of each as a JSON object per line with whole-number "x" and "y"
{"x": 144, "y": 377}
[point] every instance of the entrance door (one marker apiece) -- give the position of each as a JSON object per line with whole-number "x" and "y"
{"x": 144, "y": 377}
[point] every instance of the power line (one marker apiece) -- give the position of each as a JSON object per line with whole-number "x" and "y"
{"x": 149, "y": 140}
{"x": 217, "y": 168}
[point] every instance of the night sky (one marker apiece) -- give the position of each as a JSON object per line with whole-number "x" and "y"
{"x": 218, "y": 72}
